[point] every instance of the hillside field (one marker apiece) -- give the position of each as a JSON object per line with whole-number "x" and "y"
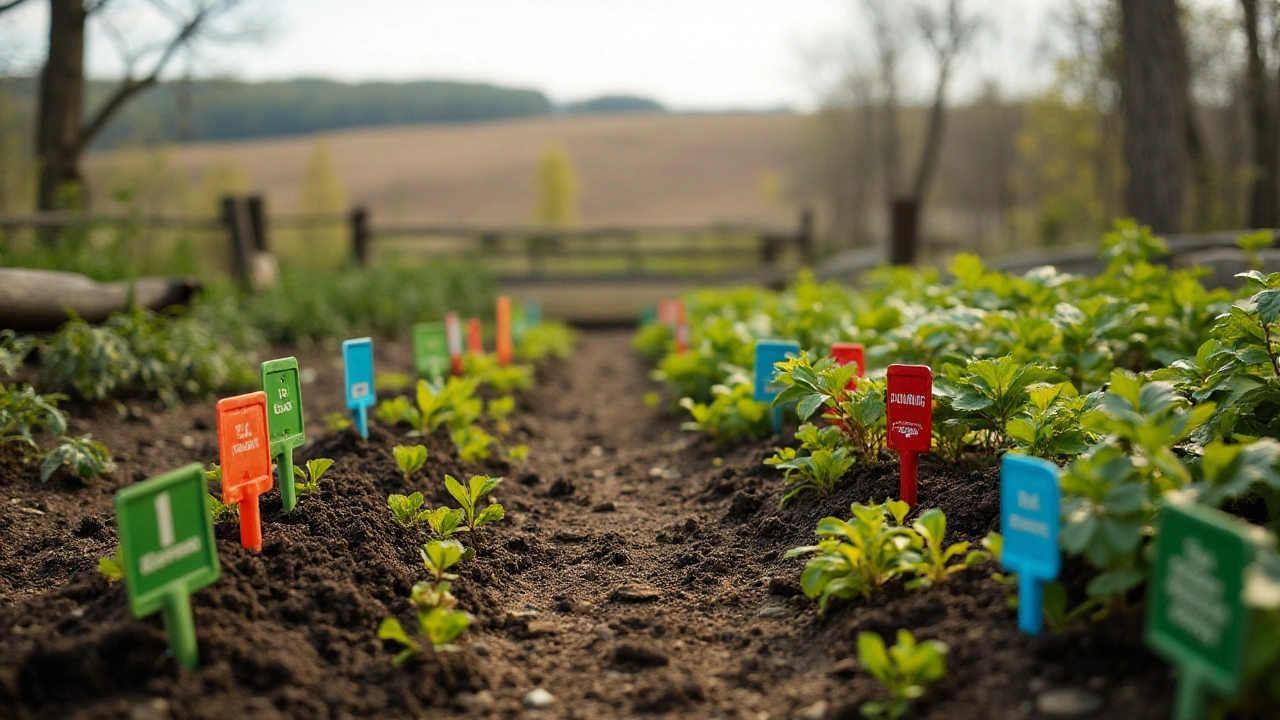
{"x": 645, "y": 169}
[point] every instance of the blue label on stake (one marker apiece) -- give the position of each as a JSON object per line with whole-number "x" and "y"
{"x": 1030, "y": 518}
{"x": 357, "y": 363}
{"x": 769, "y": 352}
{"x": 532, "y": 312}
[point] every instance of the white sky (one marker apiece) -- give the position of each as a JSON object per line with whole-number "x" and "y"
{"x": 688, "y": 54}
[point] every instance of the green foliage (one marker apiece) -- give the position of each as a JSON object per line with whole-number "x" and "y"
{"x": 218, "y": 509}
{"x": 732, "y": 416}
{"x": 444, "y": 522}
{"x": 987, "y": 394}
{"x": 904, "y": 669}
{"x": 934, "y": 564}
{"x": 472, "y": 442}
{"x": 336, "y": 421}
{"x": 546, "y": 340}
{"x": 24, "y": 413}
{"x": 439, "y": 626}
{"x": 315, "y": 469}
{"x": 409, "y": 459}
{"x": 440, "y": 555}
{"x": 407, "y": 510}
{"x": 498, "y": 409}
{"x": 470, "y": 494}
{"x": 860, "y": 413}
{"x": 86, "y": 456}
{"x": 112, "y": 568}
{"x": 1050, "y": 425}
{"x": 855, "y": 558}
{"x": 170, "y": 355}
{"x": 818, "y": 465}
{"x": 13, "y": 351}
{"x": 451, "y": 404}
{"x": 488, "y": 371}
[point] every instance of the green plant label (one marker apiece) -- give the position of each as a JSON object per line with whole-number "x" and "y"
{"x": 431, "y": 350}
{"x": 1196, "y": 617}
{"x": 285, "y": 427}
{"x": 167, "y": 544}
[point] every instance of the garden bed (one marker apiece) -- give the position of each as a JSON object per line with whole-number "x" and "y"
{"x": 640, "y": 570}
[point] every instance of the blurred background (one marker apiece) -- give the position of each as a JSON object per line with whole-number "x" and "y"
{"x": 599, "y": 139}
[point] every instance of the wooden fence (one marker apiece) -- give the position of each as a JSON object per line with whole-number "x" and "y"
{"x": 513, "y": 253}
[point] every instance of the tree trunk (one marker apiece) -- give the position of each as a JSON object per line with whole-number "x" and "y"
{"x": 1154, "y": 99}
{"x": 61, "y": 104}
{"x": 1263, "y": 195}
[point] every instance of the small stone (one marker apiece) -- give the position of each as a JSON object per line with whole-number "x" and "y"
{"x": 538, "y": 628}
{"x": 597, "y": 451}
{"x": 31, "y": 510}
{"x": 481, "y": 702}
{"x": 816, "y": 711}
{"x": 636, "y": 592}
{"x": 188, "y": 441}
{"x": 604, "y": 632}
{"x": 154, "y": 709}
{"x": 538, "y": 699}
{"x": 639, "y": 656}
{"x": 627, "y": 490}
{"x": 597, "y": 473}
{"x": 604, "y": 507}
{"x": 569, "y": 536}
{"x": 656, "y": 472}
{"x": 772, "y": 611}
{"x": 581, "y": 607}
{"x": 480, "y": 648}
{"x": 1068, "y": 702}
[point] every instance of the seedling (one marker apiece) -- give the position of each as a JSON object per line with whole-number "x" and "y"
{"x": 472, "y": 443}
{"x": 444, "y": 521}
{"x": 517, "y": 452}
{"x": 439, "y": 626}
{"x": 933, "y": 565}
{"x": 86, "y": 456}
{"x": 407, "y": 510}
{"x": 470, "y": 494}
{"x": 818, "y": 465}
{"x": 285, "y": 426}
{"x": 498, "y": 409}
{"x": 453, "y": 404}
{"x": 112, "y": 568}
{"x": 410, "y": 459}
{"x": 427, "y": 595}
{"x": 337, "y": 422}
{"x": 440, "y": 555}
{"x": 904, "y": 669}
{"x": 856, "y": 557}
{"x": 315, "y": 469}
{"x": 219, "y": 510}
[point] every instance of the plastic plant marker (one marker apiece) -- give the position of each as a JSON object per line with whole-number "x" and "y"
{"x": 357, "y": 367}
{"x": 431, "y": 351}
{"x": 285, "y": 426}
{"x": 909, "y": 411}
{"x": 245, "y": 454}
{"x": 518, "y": 324}
{"x": 846, "y": 353}
{"x": 475, "y": 337}
{"x": 532, "y": 312}
{"x": 1196, "y": 616}
{"x": 453, "y": 333}
{"x": 769, "y": 352}
{"x": 647, "y": 315}
{"x": 167, "y": 544}
{"x": 1030, "y": 518}
{"x": 682, "y": 329}
{"x": 503, "y": 317}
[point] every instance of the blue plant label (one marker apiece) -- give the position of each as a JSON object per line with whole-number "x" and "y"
{"x": 769, "y": 352}
{"x": 532, "y": 312}
{"x": 1030, "y": 518}
{"x": 357, "y": 363}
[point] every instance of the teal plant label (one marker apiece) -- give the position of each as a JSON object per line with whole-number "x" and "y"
{"x": 167, "y": 545}
{"x": 769, "y": 352}
{"x": 431, "y": 350}
{"x": 1030, "y": 519}
{"x": 357, "y": 370}
{"x": 285, "y": 427}
{"x": 1196, "y": 616}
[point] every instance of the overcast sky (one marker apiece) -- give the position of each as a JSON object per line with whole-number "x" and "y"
{"x": 688, "y": 54}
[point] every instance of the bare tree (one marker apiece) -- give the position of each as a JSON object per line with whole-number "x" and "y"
{"x": 64, "y": 132}
{"x": 1154, "y": 95}
{"x": 1264, "y": 193}
{"x": 888, "y": 37}
{"x": 948, "y": 34}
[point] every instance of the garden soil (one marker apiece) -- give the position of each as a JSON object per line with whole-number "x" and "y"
{"x": 640, "y": 571}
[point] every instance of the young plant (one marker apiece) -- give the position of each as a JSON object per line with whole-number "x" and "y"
{"x": 443, "y": 521}
{"x": 933, "y": 563}
{"x": 823, "y": 385}
{"x": 987, "y": 394}
{"x": 24, "y": 412}
{"x": 407, "y": 510}
{"x": 855, "y": 558}
{"x": 498, "y": 409}
{"x": 428, "y": 595}
{"x": 451, "y": 404}
{"x": 732, "y": 416}
{"x": 86, "y": 456}
{"x": 472, "y": 443}
{"x": 337, "y": 421}
{"x": 315, "y": 469}
{"x": 470, "y": 494}
{"x": 218, "y": 509}
{"x": 440, "y": 555}
{"x": 112, "y": 568}
{"x": 410, "y": 459}
{"x": 1050, "y": 427}
{"x": 439, "y": 626}
{"x": 818, "y": 465}
{"x": 517, "y": 452}
{"x": 904, "y": 669}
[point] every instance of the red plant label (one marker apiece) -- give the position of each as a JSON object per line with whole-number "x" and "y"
{"x": 846, "y": 353}
{"x": 245, "y": 453}
{"x": 909, "y": 408}
{"x": 475, "y": 338}
{"x": 504, "y": 330}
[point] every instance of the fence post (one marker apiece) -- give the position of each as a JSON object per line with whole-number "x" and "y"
{"x": 236, "y": 221}
{"x": 360, "y": 235}
{"x": 258, "y": 222}
{"x": 804, "y": 236}
{"x": 904, "y": 238}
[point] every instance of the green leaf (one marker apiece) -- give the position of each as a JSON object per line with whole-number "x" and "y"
{"x": 492, "y": 513}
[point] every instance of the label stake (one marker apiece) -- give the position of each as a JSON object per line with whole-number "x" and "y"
{"x": 1030, "y": 518}
{"x": 769, "y": 352}
{"x": 909, "y": 411}
{"x": 285, "y": 428}
{"x": 245, "y": 453}
{"x": 357, "y": 367}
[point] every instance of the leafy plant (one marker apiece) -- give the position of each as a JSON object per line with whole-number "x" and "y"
{"x": 855, "y": 558}
{"x": 987, "y": 394}
{"x": 470, "y": 494}
{"x": 315, "y": 469}
{"x": 472, "y": 443}
{"x": 409, "y": 459}
{"x": 517, "y": 452}
{"x": 428, "y": 595}
{"x": 112, "y": 568}
{"x": 444, "y": 521}
{"x": 440, "y": 555}
{"x": 1050, "y": 427}
{"x": 498, "y": 409}
{"x": 486, "y": 370}
{"x": 337, "y": 421}
{"x": 904, "y": 669}
{"x": 407, "y": 510}
{"x": 86, "y": 456}
{"x": 934, "y": 563}
{"x": 732, "y": 416}
{"x": 452, "y": 403}
{"x": 439, "y": 626}
{"x": 24, "y": 413}
{"x": 823, "y": 385}
{"x": 818, "y": 465}
{"x": 218, "y": 509}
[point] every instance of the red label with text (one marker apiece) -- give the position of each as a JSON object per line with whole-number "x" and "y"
{"x": 909, "y": 407}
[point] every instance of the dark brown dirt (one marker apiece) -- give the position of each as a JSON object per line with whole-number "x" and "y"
{"x": 640, "y": 571}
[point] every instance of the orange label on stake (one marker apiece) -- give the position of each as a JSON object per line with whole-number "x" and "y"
{"x": 504, "y": 330}
{"x": 475, "y": 337}
{"x": 245, "y": 453}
